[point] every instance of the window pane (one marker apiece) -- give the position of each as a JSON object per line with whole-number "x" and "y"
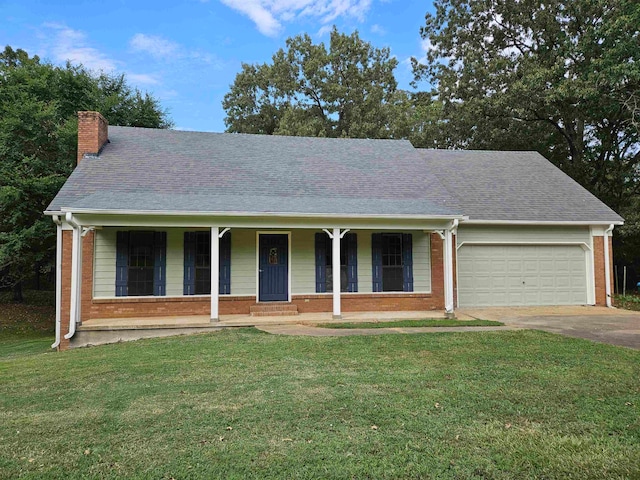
{"x": 203, "y": 281}
{"x": 344, "y": 284}
{"x": 203, "y": 263}
{"x": 141, "y": 262}
{"x": 392, "y": 278}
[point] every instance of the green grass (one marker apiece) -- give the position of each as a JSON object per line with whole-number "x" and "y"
{"x": 26, "y": 328}
{"x": 436, "y": 322}
{"x": 628, "y": 302}
{"x": 245, "y": 404}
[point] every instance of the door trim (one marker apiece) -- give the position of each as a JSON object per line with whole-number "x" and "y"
{"x": 273, "y": 232}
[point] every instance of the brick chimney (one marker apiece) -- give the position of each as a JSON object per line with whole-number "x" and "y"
{"x": 93, "y": 133}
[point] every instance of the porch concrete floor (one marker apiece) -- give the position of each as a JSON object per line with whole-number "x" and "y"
{"x": 200, "y": 321}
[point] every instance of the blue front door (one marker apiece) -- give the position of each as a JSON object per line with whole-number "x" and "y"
{"x": 274, "y": 268}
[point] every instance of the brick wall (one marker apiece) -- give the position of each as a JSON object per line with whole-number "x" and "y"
{"x": 599, "y": 271}
{"x": 66, "y": 288}
{"x": 93, "y": 132}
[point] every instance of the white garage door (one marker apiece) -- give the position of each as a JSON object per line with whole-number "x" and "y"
{"x": 496, "y": 275}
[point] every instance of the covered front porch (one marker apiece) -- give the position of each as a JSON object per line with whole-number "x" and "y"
{"x": 155, "y": 273}
{"x": 111, "y": 330}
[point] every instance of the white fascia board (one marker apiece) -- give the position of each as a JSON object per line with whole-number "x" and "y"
{"x": 536, "y": 222}
{"x": 87, "y": 211}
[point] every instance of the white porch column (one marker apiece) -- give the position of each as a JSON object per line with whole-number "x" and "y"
{"x": 76, "y": 279}
{"x": 335, "y": 268}
{"x": 215, "y": 272}
{"x": 448, "y": 272}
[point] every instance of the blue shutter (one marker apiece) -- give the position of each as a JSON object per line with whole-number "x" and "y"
{"x": 352, "y": 262}
{"x": 189, "y": 287}
{"x": 225, "y": 264}
{"x": 321, "y": 262}
{"x": 122, "y": 263}
{"x": 376, "y": 261}
{"x": 160, "y": 264}
{"x": 407, "y": 262}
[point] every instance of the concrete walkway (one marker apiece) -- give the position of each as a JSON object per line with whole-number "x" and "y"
{"x": 307, "y": 330}
{"x": 607, "y": 325}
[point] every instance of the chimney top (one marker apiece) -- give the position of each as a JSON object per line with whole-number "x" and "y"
{"x": 93, "y": 133}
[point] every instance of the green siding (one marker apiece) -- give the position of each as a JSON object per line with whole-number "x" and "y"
{"x": 303, "y": 262}
{"x": 175, "y": 261}
{"x": 104, "y": 263}
{"x": 243, "y": 262}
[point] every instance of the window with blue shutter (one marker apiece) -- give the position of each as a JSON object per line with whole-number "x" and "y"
{"x": 197, "y": 263}
{"x": 321, "y": 262}
{"x": 225, "y": 264}
{"x": 189, "y": 287}
{"x": 407, "y": 262}
{"x": 376, "y": 261}
{"x": 392, "y": 262}
{"x": 348, "y": 263}
{"x": 122, "y": 263}
{"x": 141, "y": 263}
{"x": 160, "y": 264}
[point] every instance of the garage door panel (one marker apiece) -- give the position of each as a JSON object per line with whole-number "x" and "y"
{"x": 504, "y": 275}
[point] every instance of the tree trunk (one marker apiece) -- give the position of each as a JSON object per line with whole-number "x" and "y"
{"x": 17, "y": 293}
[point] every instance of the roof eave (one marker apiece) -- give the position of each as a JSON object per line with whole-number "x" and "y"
{"x": 545, "y": 222}
{"x": 90, "y": 211}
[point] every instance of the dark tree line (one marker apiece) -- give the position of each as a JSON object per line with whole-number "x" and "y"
{"x": 39, "y": 102}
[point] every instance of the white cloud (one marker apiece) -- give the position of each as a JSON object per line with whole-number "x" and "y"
{"x": 268, "y": 15}
{"x": 67, "y": 44}
{"x": 162, "y": 49}
{"x": 378, "y": 29}
{"x": 143, "y": 78}
{"x": 156, "y": 46}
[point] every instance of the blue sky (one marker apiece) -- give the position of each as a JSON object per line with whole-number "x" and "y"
{"x": 187, "y": 53}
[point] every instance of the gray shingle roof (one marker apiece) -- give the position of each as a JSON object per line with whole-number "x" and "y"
{"x": 166, "y": 170}
{"x": 490, "y": 185}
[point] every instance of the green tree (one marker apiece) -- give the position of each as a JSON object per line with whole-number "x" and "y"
{"x": 562, "y": 78}
{"x": 38, "y": 130}
{"x": 347, "y": 90}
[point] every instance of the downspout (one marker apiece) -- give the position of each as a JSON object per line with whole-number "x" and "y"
{"x": 75, "y": 253}
{"x": 58, "y": 223}
{"x": 448, "y": 273}
{"x": 607, "y": 266}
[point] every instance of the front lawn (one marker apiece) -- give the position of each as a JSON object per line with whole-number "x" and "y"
{"x": 28, "y": 327}
{"x": 245, "y": 404}
{"x": 430, "y": 322}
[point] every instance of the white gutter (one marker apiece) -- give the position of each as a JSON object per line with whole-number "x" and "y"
{"x": 607, "y": 266}
{"x": 75, "y": 262}
{"x": 58, "y": 223}
{"x": 448, "y": 267}
{"x": 81, "y": 211}
{"x": 536, "y": 222}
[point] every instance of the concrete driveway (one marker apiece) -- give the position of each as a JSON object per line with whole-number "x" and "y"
{"x": 606, "y": 325}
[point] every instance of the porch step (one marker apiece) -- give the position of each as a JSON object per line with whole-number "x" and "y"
{"x": 273, "y": 309}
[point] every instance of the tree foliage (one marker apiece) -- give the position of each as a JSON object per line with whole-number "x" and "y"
{"x": 562, "y": 75}
{"x": 559, "y": 77}
{"x": 345, "y": 90}
{"x": 38, "y": 131}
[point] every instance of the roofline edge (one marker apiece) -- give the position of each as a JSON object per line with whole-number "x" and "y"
{"x": 80, "y": 211}
{"x": 543, "y": 222}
